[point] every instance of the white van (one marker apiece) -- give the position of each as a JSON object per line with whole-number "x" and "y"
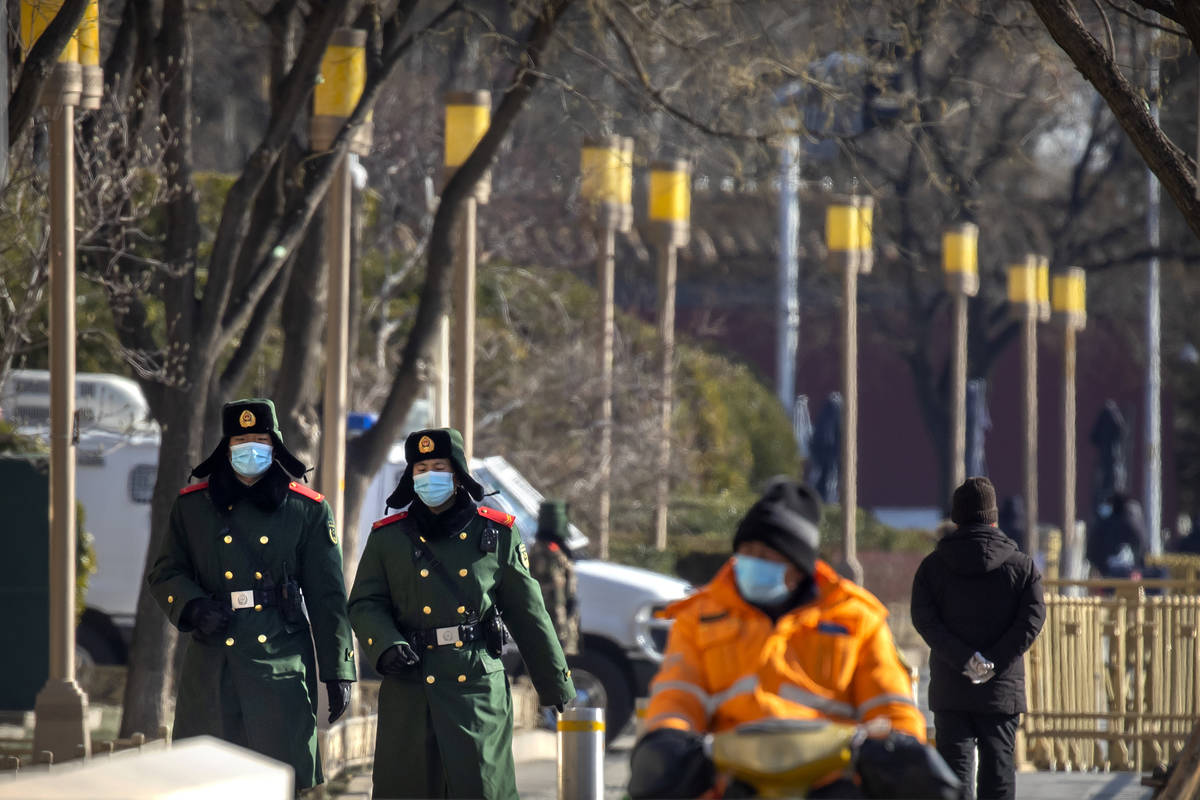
{"x": 106, "y": 402}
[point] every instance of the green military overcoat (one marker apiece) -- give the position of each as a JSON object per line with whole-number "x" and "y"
{"x": 445, "y": 725}
{"x": 257, "y": 685}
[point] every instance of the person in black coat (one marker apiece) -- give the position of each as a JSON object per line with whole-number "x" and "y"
{"x": 977, "y": 602}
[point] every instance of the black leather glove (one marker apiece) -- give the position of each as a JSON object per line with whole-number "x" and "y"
{"x": 339, "y": 698}
{"x": 558, "y": 707}
{"x": 669, "y": 763}
{"x": 208, "y": 617}
{"x": 397, "y": 659}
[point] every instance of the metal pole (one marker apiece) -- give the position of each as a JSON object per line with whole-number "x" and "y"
{"x": 61, "y": 706}
{"x": 606, "y": 265}
{"x": 666, "y": 332}
{"x": 849, "y": 483}
{"x": 1069, "y": 534}
{"x": 1152, "y": 451}
{"x": 958, "y": 394}
{"x": 788, "y": 310}
{"x": 581, "y": 754}
{"x": 464, "y": 329}
{"x": 337, "y": 345}
{"x": 441, "y": 377}
{"x": 1029, "y": 427}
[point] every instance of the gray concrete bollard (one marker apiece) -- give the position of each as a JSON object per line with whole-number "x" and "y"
{"x": 581, "y": 754}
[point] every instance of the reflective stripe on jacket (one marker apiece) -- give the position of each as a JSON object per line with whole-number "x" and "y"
{"x": 727, "y": 664}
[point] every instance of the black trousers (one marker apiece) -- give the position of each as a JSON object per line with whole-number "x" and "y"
{"x": 959, "y": 732}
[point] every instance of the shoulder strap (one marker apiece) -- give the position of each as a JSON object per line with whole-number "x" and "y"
{"x": 439, "y": 569}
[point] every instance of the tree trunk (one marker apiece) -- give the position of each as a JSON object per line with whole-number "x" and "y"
{"x": 150, "y": 685}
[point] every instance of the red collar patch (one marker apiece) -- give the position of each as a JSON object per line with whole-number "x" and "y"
{"x": 195, "y": 487}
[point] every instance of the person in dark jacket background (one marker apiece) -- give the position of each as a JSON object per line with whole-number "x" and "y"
{"x": 977, "y": 602}
{"x": 1118, "y": 544}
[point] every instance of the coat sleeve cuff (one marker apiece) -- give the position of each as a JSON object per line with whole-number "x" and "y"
{"x": 560, "y": 692}
{"x": 174, "y": 596}
{"x": 374, "y": 646}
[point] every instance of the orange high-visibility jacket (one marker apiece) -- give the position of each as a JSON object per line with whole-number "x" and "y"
{"x": 727, "y": 664}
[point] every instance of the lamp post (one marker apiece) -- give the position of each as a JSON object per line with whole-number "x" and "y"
{"x": 848, "y": 228}
{"x": 669, "y": 209}
{"x": 1070, "y": 312}
{"x": 1024, "y": 302}
{"x": 960, "y": 264}
{"x": 343, "y": 73}
{"x": 468, "y": 115}
{"x": 606, "y": 187}
{"x": 61, "y": 706}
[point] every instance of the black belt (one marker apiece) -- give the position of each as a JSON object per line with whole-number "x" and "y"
{"x": 450, "y": 635}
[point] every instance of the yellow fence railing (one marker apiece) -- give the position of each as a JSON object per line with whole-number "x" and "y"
{"x": 1114, "y": 680}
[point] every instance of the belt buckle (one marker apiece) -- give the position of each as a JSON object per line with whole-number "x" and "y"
{"x": 241, "y": 599}
{"x": 446, "y": 636}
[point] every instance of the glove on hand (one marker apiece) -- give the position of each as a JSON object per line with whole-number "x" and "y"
{"x": 206, "y": 616}
{"x": 396, "y": 659}
{"x": 339, "y": 698}
{"x": 979, "y": 669}
{"x": 668, "y": 763}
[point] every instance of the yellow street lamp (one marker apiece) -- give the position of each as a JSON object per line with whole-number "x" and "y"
{"x": 849, "y": 227}
{"x": 61, "y": 706}
{"x": 343, "y": 78}
{"x": 960, "y": 265}
{"x": 468, "y": 115}
{"x": 606, "y": 188}
{"x": 1069, "y": 301}
{"x": 1024, "y": 297}
{"x": 668, "y": 227}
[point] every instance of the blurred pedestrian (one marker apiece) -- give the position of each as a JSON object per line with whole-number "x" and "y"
{"x": 977, "y": 602}
{"x": 551, "y": 566}
{"x": 1117, "y": 545}
{"x": 241, "y": 550}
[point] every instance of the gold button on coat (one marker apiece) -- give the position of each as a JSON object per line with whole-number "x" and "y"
{"x": 229, "y": 642}
{"x": 462, "y": 609}
{"x": 258, "y": 576}
{"x": 263, "y": 540}
{"x": 258, "y": 608}
{"x": 228, "y": 575}
{"x": 170, "y": 598}
{"x": 427, "y": 610}
{"x": 228, "y": 540}
{"x": 424, "y": 573}
{"x": 462, "y": 678}
{"x": 262, "y": 637}
{"x": 370, "y": 641}
{"x": 463, "y": 535}
{"x": 458, "y": 644}
{"x": 429, "y": 679}
{"x": 462, "y": 573}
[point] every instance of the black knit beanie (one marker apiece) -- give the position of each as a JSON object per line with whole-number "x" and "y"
{"x": 974, "y": 503}
{"x": 785, "y": 519}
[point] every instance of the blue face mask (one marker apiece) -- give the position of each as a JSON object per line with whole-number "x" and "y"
{"x": 434, "y": 488}
{"x": 760, "y": 581}
{"x": 251, "y": 459}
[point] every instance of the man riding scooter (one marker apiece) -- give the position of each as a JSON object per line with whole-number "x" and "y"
{"x": 776, "y": 635}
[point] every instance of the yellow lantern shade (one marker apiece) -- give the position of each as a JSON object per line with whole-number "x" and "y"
{"x": 468, "y": 115}
{"x": 1043, "y": 288}
{"x": 842, "y": 228}
{"x": 36, "y": 15}
{"x": 1022, "y": 283}
{"x": 343, "y": 74}
{"x": 601, "y": 171}
{"x": 88, "y": 35}
{"x": 1069, "y": 297}
{"x": 670, "y": 197}
{"x": 960, "y": 249}
{"x": 625, "y": 187}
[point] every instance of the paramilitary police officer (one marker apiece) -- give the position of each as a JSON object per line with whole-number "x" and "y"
{"x": 431, "y": 587}
{"x": 241, "y": 548}
{"x": 551, "y": 566}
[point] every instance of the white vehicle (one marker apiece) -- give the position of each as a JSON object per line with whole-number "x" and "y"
{"x": 622, "y": 641}
{"x": 107, "y": 402}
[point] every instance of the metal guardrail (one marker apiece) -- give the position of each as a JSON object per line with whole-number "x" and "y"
{"x": 347, "y": 744}
{"x": 1114, "y": 680}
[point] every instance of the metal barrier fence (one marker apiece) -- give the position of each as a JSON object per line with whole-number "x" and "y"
{"x": 349, "y": 743}
{"x": 1114, "y": 679}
